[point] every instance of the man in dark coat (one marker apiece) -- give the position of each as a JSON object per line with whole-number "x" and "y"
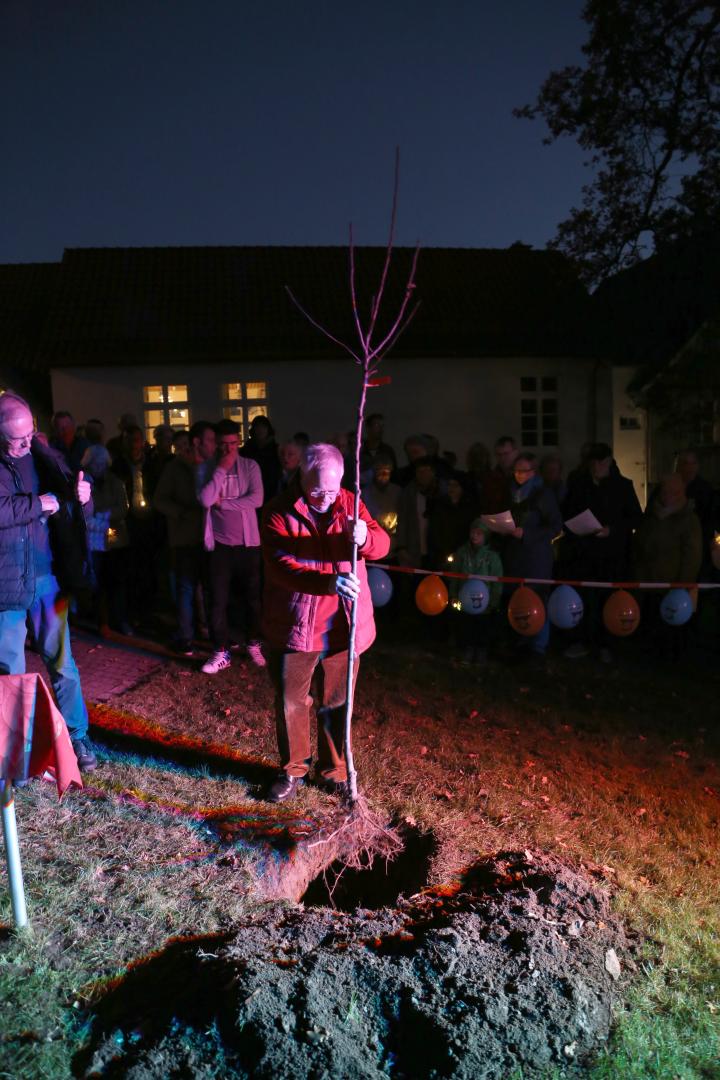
{"x": 603, "y": 555}
{"x": 43, "y": 555}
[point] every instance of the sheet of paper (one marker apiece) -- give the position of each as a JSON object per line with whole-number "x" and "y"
{"x": 499, "y": 523}
{"x": 583, "y": 524}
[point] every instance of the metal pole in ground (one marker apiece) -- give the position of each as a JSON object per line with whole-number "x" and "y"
{"x": 12, "y": 854}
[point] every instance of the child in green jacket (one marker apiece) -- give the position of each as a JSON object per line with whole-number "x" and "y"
{"x": 475, "y": 632}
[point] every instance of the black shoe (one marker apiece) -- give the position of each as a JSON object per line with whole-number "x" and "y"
{"x": 87, "y": 762}
{"x": 285, "y": 787}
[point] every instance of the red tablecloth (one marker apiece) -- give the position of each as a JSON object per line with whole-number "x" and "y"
{"x": 33, "y": 735}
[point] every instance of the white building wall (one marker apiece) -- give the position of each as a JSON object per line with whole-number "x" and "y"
{"x": 630, "y": 435}
{"x": 461, "y": 401}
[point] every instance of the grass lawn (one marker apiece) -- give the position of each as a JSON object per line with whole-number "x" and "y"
{"x": 613, "y": 767}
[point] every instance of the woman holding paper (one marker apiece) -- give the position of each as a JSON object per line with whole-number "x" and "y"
{"x": 527, "y": 550}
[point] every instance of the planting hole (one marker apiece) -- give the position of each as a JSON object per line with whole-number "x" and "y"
{"x": 378, "y": 885}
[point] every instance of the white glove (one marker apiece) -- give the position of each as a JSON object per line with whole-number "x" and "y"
{"x": 356, "y": 531}
{"x": 348, "y": 585}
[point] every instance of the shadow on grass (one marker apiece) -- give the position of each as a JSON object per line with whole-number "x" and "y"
{"x": 163, "y": 748}
{"x": 184, "y": 986}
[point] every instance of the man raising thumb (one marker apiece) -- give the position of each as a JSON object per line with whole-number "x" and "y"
{"x": 83, "y": 489}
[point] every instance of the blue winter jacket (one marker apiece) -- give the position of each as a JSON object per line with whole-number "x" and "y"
{"x": 68, "y": 532}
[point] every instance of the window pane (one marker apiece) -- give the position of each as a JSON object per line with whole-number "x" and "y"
{"x": 153, "y": 417}
{"x": 235, "y": 412}
{"x": 529, "y": 436}
{"x": 528, "y": 406}
{"x": 256, "y": 391}
{"x": 550, "y": 438}
{"x": 232, "y": 391}
{"x": 550, "y": 407}
{"x": 153, "y": 394}
{"x": 549, "y": 384}
{"x": 179, "y": 418}
{"x": 149, "y": 436}
{"x": 549, "y": 422}
{"x": 256, "y": 410}
{"x": 528, "y": 384}
{"x": 177, "y": 393}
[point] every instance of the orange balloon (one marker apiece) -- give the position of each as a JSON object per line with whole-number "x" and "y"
{"x": 526, "y": 612}
{"x": 431, "y": 596}
{"x": 621, "y": 613}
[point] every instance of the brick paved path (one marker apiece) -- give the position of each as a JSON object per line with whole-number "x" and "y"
{"x": 105, "y": 668}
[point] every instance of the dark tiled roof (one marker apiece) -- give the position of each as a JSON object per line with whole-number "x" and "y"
{"x": 25, "y": 292}
{"x": 231, "y": 302}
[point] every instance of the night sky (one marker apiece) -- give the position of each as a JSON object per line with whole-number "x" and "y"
{"x": 141, "y": 122}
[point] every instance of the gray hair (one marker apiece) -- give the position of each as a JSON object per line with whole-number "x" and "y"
{"x": 318, "y": 454}
{"x": 95, "y": 460}
{"x": 10, "y": 404}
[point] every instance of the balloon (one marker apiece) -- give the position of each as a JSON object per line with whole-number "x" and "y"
{"x": 431, "y": 595}
{"x": 621, "y": 613}
{"x": 474, "y": 597}
{"x": 676, "y": 607}
{"x": 381, "y": 586}
{"x": 526, "y": 612}
{"x": 565, "y": 607}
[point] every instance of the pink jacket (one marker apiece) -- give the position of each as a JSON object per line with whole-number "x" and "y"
{"x": 300, "y": 564}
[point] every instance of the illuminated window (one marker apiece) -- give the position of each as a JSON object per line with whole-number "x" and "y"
{"x": 171, "y": 406}
{"x": 539, "y": 419}
{"x": 233, "y": 395}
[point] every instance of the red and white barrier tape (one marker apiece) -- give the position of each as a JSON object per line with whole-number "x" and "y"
{"x": 551, "y": 581}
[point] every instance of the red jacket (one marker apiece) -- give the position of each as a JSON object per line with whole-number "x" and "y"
{"x": 300, "y": 565}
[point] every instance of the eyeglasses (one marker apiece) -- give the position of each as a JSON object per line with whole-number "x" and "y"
{"x": 317, "y": 494}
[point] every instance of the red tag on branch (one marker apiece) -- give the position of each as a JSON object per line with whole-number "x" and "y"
{"x": 379, "y": 380}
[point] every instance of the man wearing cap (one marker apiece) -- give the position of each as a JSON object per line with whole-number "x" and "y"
{"x": 43, "y": 555}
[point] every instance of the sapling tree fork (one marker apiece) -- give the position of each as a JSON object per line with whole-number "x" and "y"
{"x": 368, "y": 353}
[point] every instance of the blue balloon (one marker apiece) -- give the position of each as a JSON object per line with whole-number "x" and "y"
{"x": 474, "y": 597}
{"x": 381, "y": 587}
{"x": 565, "y": 607}
{"x": 676, "y": 607}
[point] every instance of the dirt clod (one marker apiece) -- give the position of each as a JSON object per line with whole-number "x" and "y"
{"x": 505, "y": 969}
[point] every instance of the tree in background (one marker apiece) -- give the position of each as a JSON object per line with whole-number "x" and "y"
{"x": 646, "y": 107}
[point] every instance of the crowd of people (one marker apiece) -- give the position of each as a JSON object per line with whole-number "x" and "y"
{"x": 186, "y": 521}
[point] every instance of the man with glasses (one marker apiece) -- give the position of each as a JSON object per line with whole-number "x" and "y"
{"x": 43, "y": 556}
{"x": 307, "y": 537}
{"x": 230, "y": 489}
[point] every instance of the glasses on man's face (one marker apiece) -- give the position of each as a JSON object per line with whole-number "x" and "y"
{"x": 316, "y": 493}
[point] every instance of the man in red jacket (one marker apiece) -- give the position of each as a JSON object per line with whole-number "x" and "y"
{"x": 307, "y": 538}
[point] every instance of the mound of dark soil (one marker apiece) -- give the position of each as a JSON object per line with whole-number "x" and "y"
{"x": 513, "y": 969}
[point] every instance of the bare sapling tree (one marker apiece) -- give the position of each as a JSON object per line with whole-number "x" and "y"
{"x": 368, "y": 353}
